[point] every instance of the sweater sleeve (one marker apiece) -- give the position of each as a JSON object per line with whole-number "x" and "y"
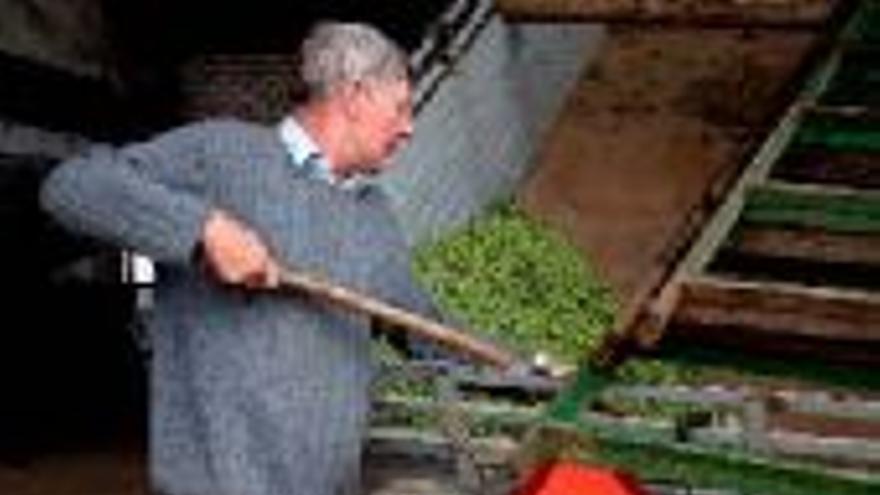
{"x": 148, "y": 197}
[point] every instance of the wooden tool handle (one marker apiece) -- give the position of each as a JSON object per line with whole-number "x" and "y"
{"x": 397, "y": 318}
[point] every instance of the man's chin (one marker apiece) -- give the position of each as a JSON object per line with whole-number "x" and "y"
{"x": 377, "y": 167}
{"x": 373, "y": 171}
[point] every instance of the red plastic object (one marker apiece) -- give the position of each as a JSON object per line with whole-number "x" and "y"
{"x": 569, "y": 478}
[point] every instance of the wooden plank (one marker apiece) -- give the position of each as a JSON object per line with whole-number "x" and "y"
{"x": 844, "y": 449}
{"x": 767, "y": 345}
{"x": 806, "y": 244}
{"x": 838, "y": 405}
{"x": 789, "y": 14}
{"x": 856, "y": 170}
{"x": 776, "y": 308}
{"x": 824, "y": 425}
{"x": 843, "y": 407}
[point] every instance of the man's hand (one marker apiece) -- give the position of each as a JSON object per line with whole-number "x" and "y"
{"x": 236, "y": 254}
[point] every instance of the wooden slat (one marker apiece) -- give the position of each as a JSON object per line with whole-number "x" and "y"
{"x": 784, "y": 309}
{"x": 720, "y": 13}
{"x": 807, "y": 244}
{"x": 843, "y": 449}
{"x": 855, "y": 170}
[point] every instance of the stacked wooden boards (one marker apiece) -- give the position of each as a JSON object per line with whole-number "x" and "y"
{"x": 789, "y": 262}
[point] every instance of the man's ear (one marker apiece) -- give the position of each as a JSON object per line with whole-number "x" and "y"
{"x": 351, "y": 100}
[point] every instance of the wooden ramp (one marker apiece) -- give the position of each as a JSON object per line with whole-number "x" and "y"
{"x": 789, "y": 263}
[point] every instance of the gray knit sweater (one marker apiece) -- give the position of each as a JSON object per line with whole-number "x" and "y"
{"x": 251, "y": 394}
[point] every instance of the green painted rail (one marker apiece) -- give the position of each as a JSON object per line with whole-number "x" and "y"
{"x": 838, "y": 134}
{"x": 834, "y": 212}
{"x": 587, "y": 385}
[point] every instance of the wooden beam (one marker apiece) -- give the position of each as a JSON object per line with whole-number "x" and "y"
{"x": 829, "y": 168}
{"x": 784, "y": 14}
{"x": 807, "y": 244}
{"x": 766, "y": 346}
{"x": 780, "y": 309}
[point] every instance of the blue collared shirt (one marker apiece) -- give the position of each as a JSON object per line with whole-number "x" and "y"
{"x": 304, "y": 153}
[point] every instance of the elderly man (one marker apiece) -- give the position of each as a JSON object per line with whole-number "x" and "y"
{"x": 254, "y": 393}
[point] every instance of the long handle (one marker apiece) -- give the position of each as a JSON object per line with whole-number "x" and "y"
{"x": 397, "y": 318}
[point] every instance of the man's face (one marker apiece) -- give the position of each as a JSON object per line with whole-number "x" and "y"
{"x": 381, "y": 121}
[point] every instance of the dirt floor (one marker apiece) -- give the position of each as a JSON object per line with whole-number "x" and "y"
{"x": 115, "y": 467}
{"x": 118, "y": 468}
{"x": 661, "y": 116}
{"x": 657, "y": 119}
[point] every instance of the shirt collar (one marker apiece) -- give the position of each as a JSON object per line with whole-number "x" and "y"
{"x": 305, "y": 154}
{"x": 301, "y": 148}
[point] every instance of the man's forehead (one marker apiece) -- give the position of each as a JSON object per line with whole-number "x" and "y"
{"x": 401, "y": 86}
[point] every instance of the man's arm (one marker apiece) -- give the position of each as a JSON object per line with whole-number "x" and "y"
{"x": 150, "y": 197}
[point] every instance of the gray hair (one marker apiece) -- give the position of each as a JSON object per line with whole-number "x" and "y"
{"x": 336, "y": 53}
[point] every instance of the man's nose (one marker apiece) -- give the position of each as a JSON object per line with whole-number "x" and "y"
{"x": 406, "y": 127}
